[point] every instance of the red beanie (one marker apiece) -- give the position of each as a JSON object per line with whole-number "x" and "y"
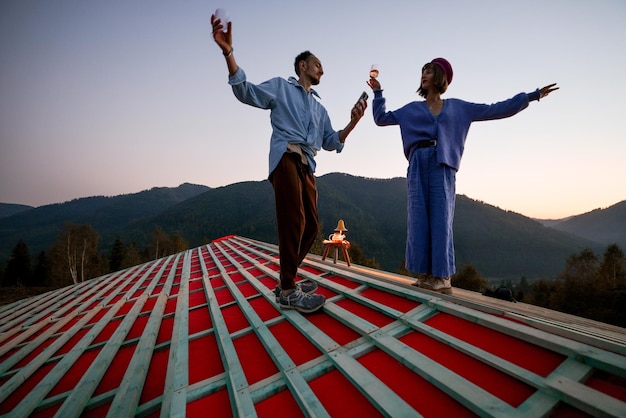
{"x": 445, "y": 66}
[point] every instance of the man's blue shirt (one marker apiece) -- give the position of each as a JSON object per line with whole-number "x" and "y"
{"x": 296, "y": 116}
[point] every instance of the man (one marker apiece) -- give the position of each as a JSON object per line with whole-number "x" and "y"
{"x": 300, "y": 128}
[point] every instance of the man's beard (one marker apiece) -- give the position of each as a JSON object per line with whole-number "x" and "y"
{"x": 315, "y": 81}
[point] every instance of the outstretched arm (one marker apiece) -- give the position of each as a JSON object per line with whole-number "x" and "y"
{"x": 544, "y": 91}
{"x": 225, "y": 41}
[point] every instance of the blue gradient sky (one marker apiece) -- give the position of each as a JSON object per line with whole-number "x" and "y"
{"x": 115, "y": 97}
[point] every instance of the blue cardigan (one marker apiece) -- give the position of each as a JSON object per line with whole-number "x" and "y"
{"x": 450, "y": 128}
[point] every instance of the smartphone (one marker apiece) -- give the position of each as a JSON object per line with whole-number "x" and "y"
{"x": 363, "y": 97}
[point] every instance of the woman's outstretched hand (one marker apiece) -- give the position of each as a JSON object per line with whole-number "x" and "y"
{"x": 544, "y": 91}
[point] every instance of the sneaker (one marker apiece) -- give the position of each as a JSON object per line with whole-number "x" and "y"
{"x": 438, "y": 284}
{"x": 301, "y": 302}
{"x": 306, "y": 286}
{"x": 421, "y": 278}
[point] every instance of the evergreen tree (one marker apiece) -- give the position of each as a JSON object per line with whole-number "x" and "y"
{"x": 18, "y": 270}
{"x": 116, "y": 257}
{"x": 41, "y": 274}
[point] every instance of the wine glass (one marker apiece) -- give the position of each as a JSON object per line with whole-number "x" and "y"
{"x": 222, "y": 15}
{"x": 374, "y": 71}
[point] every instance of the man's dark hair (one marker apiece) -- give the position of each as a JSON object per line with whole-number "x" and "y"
{"x": 303, "y": 56}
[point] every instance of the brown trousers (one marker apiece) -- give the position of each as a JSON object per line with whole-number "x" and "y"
{"x": 295, "y": 194}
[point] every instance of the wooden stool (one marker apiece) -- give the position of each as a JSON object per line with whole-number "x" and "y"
{"x": 344, "y": 245}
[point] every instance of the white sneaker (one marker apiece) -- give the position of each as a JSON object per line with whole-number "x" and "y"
{"x": 438, "y": 284}
{"x": 421, "y": 278}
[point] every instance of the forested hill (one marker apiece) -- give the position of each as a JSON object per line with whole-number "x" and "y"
{"x": 109, "y": 216}
{"x": 498, "y": 243}
{"x": 600, "y": 225}
{"x": 9, "y": 209}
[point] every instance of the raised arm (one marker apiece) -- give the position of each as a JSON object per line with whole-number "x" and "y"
{"x": 225, "y": 41}
{"x": 374, "y": 84}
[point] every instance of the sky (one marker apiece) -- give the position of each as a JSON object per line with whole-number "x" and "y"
{"x": 116, "y": 97}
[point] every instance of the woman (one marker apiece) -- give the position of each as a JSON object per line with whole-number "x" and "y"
{"x": 433, "y": 135}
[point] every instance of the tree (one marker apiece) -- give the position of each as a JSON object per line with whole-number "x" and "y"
{"x": 612, "y": 274}
{"x": 76, "y": 253}
{"x": 164, "y": 244}
{"x": 117, "y": 255}
{"x": 541, "y": 293}
{"x": 581, "y": 268}
{"x": 586, "y": 287}
{"x": 318, "y": 244}
{"x": 159, "y": 239}
{"x": 132, "y": 257}
{"x": 403, "y": 270}
{"x": 469, "y": 278}
{"x": 522, "y": 289}
{"x": 41, "y": 273}
{"x": 18, "y": 270}
{"x": 358, "y": 257}
{"x": 577, "y": 283}
{"x": 176, "y": 244}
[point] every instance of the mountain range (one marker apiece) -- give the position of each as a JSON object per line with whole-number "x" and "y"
{"x": 498, "y": 243}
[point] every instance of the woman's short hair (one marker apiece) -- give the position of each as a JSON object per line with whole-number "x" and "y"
{"x": 303, "y": 56}
{"x": 439, "y": 80}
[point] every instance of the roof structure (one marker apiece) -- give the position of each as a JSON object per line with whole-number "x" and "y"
{"x": 199, "y": 334}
